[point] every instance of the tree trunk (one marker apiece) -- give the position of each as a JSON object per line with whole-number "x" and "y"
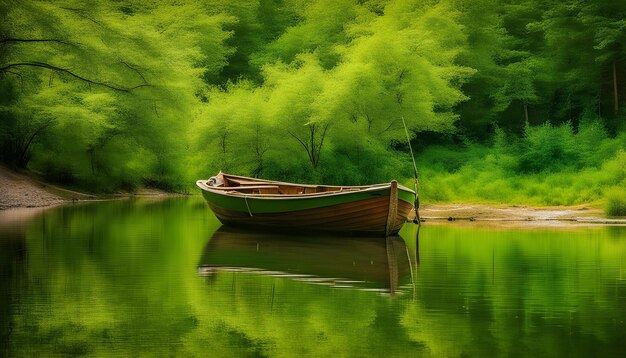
{"x": 22, "y": 149}
{"x": 615, "y": 97}
{"x": 91, "y": 159}
{"x": 526, "y": 111}
{"x": 600, "y": 103}
{"x": 314, "y": 144}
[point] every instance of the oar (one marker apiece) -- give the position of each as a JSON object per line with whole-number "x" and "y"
{"x": 415, "y": 175}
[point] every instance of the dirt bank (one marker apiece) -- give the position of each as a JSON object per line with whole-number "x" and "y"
{"x": 21, "y": 190}
{"x": 27, "y": 190}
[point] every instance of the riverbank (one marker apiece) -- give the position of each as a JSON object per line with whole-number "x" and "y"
{"x": 26, "y": 190}
{"x": 19, "y": 190}
{"x": 548, "y": 215}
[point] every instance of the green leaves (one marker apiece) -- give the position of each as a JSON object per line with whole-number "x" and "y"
{"x": 111, "y": 78}
{"x": 336, "y": 85}
{"x": 290, "y": 89}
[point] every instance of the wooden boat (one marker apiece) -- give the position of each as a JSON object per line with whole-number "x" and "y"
{"x": 379, "y": 209}
{"x": 362, "y": 263}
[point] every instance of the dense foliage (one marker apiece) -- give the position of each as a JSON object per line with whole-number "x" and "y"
{"x": 549, "y": 165}
{"x": 120, "y": 94}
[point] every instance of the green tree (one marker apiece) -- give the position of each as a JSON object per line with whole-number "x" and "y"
{"x": 606, "y": 19}
{"x": 109, "y": 83}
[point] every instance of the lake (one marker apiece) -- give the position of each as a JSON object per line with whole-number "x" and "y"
{"x": 161, "y": 277}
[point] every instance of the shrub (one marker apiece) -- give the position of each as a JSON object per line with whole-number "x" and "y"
{"x": 615, "y": 204}
{"x": 548, "y": 148}
{"x": 591, "y": 134}
{"x": 614, "y": 170}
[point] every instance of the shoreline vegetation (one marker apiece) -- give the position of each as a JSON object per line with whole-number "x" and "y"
{"x": 548, "y": 165}
{"x": 27, "y": 190}
{"x": 24, "y": 191}
{"x": 505, "y": 102}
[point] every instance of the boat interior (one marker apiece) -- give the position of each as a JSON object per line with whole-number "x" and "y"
{"x": 245, "y": 185}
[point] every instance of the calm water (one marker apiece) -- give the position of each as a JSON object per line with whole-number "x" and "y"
{"x": 161, "y": 278}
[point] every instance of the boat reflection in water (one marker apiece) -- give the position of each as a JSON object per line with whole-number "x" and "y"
{"x": 363, "y": 263}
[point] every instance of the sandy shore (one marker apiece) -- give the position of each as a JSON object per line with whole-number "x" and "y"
{"x": 19, "y": 190}
{"x": 545, "y": 215}
{"x": 25, "y": 190}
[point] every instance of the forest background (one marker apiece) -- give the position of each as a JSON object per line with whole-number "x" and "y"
{"x": 518, "y": 102}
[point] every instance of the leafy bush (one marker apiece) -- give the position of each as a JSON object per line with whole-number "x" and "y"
{"x": 548, "y": 147}
{"x": 590, "y": 134}
{"x": 550, "y": 165}
{"x": 451, "y": 159}
{"x": 615, "y": 204}
{"x": 614, "y": 170}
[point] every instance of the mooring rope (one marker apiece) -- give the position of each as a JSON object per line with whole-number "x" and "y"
{"x": 245, "y": 198}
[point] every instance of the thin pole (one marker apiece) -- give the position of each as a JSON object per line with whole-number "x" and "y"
{"x": 415, "y": 174}
{"x": 615, "y": 95}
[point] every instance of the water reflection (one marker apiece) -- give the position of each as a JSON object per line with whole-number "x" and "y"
{"x": 365, "y": 263}
{"x": 121, "y": 279}
{"x": 12, "y": 263}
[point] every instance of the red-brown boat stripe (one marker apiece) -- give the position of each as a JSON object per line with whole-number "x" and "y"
{"x": 373, "y": 229}
{"x": 365, "y": 215}
{"x": 360, "y": 218}
{"x": 362, "y": 222}
{"x": 368, "y": 211}
{"x": 283, "y": 217}
{"x": 345, "y": 223}
{"x": 404, "y": 204}
{"x": 352, "y": 207}
{"x": 310, "y": 214}
{"x": 330, "y": 213}
{"x": 357, "y": 227}
{"x": 341, "y": 214}
{"x": 319, "y": 219}
{"x": 346, "y": 207}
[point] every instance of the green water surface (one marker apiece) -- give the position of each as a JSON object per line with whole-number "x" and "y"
{"x": 159, "y": 277}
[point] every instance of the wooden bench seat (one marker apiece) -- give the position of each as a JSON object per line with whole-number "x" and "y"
{"x": 248, "y": 182}
{"x": 245, "y": 187}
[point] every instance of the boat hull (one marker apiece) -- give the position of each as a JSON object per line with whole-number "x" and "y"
{"x": 364, "y": 212}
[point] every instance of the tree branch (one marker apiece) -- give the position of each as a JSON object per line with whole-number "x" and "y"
{"x": 24, "y": 150}
{"x": 15, "y": 40}
{"x": 326, "y": 126}
{"x": 303, "y": 144}
{"x": 319, "y": 148}
{"x": 14, "y": 73}
{"x": 312, "y": 131}
{"x": 389, "y": 126}
{"x": 135, "y": 70}
{"x": 81, "y": 13}
{"x": 67, "y": 71}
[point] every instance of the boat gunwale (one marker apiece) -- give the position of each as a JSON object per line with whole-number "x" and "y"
{"x": 374, "y": 187}
{"x": 360, "y": 187}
